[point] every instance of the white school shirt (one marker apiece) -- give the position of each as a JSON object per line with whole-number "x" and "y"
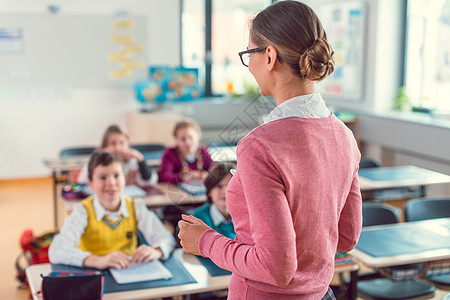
{"x": 305, "y": 106}
{"x": 216, "y": 216}
{"x": 64, "y": 248}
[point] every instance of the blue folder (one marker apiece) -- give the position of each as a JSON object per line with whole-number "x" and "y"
{"x": 173, "y": 264}
{"x": 394, "y": 173}
{"x": 400, "y": 240}
{"x": 212, "y": 268}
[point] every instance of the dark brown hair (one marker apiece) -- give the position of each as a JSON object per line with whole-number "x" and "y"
{"x": 186, "y": 124}
{"x": 110, "y": 130}
{"x": 102, "y": 158}
{"x": 215, "y": 174}
{"x": 295, "y": 31}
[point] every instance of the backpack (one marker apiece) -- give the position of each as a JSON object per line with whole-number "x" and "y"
{"x": 34, "y": 251}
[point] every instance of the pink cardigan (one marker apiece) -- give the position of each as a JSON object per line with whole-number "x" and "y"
{"x": 294, "y": 200}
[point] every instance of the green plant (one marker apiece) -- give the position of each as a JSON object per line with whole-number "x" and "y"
{"x": 401, "y": 101}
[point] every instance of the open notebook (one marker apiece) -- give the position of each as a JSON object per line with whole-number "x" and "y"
{"x": 141, "y": 272}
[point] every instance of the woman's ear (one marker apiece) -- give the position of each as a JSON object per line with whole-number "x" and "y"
{"x": 271, "y": 57}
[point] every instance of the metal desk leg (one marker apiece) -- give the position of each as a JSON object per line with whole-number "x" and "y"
{"x": 352, "y": 285}
{"x": 55, "y": 199}
{"x": 422, "y": 191}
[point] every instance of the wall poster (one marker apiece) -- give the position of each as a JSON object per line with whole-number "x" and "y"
{"x": 345, "y": 24}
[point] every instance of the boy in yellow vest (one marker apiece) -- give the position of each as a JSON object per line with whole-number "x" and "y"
{"x": 101, "y": 231}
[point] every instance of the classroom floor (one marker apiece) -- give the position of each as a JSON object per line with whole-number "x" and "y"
{"x": 28, "y": 204}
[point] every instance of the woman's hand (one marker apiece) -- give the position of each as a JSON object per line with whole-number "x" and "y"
{"x": 191, "y": 229}
{"x": 144, "y": 254}
{"x": 116, "y": 260}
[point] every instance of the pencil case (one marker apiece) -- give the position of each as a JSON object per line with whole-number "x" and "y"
{"x": 73, "y": 285}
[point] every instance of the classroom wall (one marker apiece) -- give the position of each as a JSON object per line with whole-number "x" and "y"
{"x": 383, "y": 55}
{"x": 37, "y": 126}
{"x": 34, "y": 128}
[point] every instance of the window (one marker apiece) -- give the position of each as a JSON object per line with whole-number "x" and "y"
{"x": 213, "y": 32}
{"x": 428, "y": 53}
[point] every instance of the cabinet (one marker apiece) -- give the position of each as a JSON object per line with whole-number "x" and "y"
{"x": 152, "y": 127}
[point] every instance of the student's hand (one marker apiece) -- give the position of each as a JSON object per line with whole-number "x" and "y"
{"x": 116, "y": 260}
{"x": 144, "y": 254}
{"x": 132, "y": 153}
{"x": 191, "y": 229}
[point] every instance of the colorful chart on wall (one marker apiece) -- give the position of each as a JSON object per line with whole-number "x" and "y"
{"x": 345, "y": 25}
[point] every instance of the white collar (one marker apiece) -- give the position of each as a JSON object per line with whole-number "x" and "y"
{"x": 304, "y": 106}
{"x": 217, "y": 216}
{"x": 100, "y": 211}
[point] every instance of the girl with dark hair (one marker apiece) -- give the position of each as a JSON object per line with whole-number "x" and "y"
{"x": 295, "y": 197}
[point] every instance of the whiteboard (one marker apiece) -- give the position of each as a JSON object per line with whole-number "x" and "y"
{"x": 67, "y": 50}
{"x": 345, "y": 23}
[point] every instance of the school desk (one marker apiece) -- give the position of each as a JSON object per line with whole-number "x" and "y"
{"x": 205, "y": 281}
{"x": 400, "y": 182}
{"x": 404, "y": 243}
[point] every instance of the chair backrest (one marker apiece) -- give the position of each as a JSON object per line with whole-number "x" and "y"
{"x": 379, "y": 214}
{"x": 427, "y": 208}
{"x": 223, "y": 143}
{"x": 150, "y": 151}
{"x": 367, "y": 162}
{"x": 73, "y": 151}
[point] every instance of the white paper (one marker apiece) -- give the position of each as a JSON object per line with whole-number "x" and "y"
{"x": 141, "y": 272}
{"x": 195, "y": 187}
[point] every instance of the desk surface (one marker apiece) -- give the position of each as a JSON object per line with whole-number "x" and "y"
{"x": 419, "y": 233}
{"x": 170, "y": 195}
{"x": 401, "y": 176}
{"x": 205, "y": 282}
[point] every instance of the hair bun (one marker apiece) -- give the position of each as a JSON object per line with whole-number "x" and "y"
{"x": 317, "y": 62}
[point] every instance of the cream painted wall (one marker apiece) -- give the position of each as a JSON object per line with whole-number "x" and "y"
{"x": 32, "y": 129}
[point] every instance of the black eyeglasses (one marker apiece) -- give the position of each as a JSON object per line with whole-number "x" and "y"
{"x": 245, "y": 55}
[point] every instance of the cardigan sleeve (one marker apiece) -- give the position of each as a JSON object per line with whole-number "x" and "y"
{"x": 350, "y": 221}
{"x": 169, "y": 169}
{"x": 272, "y": 258}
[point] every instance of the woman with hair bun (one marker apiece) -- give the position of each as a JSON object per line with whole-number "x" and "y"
{"x": 295, "y": 198}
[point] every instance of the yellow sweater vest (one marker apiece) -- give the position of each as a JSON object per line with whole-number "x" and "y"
{"x": 104, "y": 236}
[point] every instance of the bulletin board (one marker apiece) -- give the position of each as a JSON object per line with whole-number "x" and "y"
{"x": 345, "y": 23}
{"x": 71, "y": 50}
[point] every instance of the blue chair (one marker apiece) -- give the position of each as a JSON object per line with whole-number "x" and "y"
{"x": 74, "y": 151}
{"x": 385, "y": 288}
{"x": 430, "y": 208}
{"x": 150, "y": 151}
{"x": 367, "y": 162}
{"x": 379, "y": 214}
{"x": 427, "y": 208}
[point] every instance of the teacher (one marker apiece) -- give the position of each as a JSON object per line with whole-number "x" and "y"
{"x": 295, "y": 197}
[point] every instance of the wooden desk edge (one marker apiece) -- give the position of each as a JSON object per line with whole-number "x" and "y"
{"x": 205, "y": 282}
{"x": 403, "y": 259}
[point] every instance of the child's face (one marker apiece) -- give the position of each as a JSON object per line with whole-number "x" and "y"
{"x": 108, "y": 183}
{"x": 117, "y": 143}
{"x": 187, "y": 140}
{"x": 218, "y": 195}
